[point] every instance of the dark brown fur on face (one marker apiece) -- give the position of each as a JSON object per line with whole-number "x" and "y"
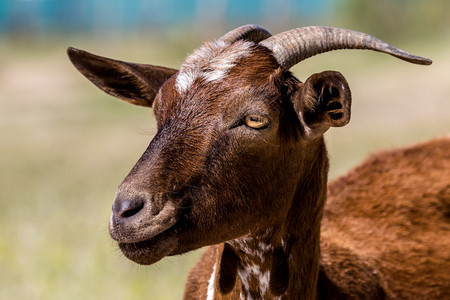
{"x": 239, "y": 162}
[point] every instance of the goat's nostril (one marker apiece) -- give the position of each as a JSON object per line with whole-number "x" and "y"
{"x": 125, "y": 208}
{"x": 132, "y": 210}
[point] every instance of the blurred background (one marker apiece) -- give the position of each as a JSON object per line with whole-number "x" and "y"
{"x": 65, "y": 146}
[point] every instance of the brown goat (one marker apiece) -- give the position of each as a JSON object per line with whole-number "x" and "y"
{"x": 239, "y": 162}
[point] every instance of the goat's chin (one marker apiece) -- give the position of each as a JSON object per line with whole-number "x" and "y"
{"x": 150, "y": 251}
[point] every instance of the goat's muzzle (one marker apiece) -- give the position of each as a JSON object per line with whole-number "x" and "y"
{"x": 143, "y": 225}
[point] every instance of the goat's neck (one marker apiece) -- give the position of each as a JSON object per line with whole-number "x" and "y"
{"x": 282, "y": 261}
{"x": 255, "y": 263}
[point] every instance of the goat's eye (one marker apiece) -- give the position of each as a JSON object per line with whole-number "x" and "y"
{"x": 256, "y": 121}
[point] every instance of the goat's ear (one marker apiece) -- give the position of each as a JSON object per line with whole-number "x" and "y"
{"x": 323, "y": 101}
{"x": 134, "y": 83}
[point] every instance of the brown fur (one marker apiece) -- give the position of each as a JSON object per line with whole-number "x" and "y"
{"x": 392, "y": 213}
{"x": 258, "y": 193}
{"x": 382, "y": 238}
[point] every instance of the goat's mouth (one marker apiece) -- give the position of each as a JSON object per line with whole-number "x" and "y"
{"x": 145, "y": 238}
{"x": 150, "y": 251}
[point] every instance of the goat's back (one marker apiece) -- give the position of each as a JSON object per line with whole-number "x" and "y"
{"x": 386, "y": 225}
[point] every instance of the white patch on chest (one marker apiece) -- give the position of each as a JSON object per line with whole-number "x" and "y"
{"x": 250, "y": 272}
{"x": 253, "y": 267}
{"x": 211, "y": 62}
{"x": 210, "y": 291}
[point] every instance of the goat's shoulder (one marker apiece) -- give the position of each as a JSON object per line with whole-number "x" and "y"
{"x": 345, "y": 275}
{"x": 389, "y": 218}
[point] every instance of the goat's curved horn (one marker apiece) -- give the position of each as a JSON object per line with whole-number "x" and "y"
{"x": 293, "y": 46}
{"x": 253, "y": 33}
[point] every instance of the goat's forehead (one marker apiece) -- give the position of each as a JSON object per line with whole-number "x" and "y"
{"x": 211, "y": 63}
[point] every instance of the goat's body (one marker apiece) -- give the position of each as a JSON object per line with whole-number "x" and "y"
{"x": 385, "y": 230}
{"x": 392, "y": 215}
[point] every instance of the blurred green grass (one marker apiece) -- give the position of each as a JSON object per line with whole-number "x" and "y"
{"x": 65, "y": 147}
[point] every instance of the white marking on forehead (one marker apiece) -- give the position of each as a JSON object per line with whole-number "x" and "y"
{"x": 210, "y": 293}
{"x": 211, "y": 62}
